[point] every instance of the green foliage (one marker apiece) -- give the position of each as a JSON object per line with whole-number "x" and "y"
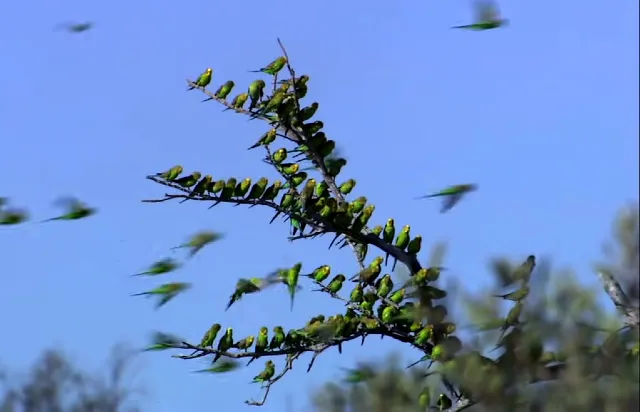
{"x": 389, "y": 388}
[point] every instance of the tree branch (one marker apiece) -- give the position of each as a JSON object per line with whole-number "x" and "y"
{"x": 410, "y": 261}
{"x": 613, "y": 289}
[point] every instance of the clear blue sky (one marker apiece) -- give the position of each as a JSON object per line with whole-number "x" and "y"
{"x": 543, "y": 115}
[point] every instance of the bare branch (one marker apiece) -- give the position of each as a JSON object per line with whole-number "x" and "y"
{"x": 267, "y": 387}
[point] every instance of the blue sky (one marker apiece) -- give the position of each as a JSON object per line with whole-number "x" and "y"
{"x": 542, "y": 115}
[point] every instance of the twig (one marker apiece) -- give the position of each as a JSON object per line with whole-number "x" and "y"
{"x": 267, "y": 387}
{"x": 313, "y": 359}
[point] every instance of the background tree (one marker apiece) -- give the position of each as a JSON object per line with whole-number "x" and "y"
{"x": 586, "y": 316}
{"x": 391, "y": 388}
{"x": 56, "y": 384}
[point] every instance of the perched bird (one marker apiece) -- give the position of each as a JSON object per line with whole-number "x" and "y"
{"x": 255, "y": 92}
{"x": 238, "y": 101}
{"x": 203, "y": 80}
{"x": 266, "y": 374}
{"x": 487, "y": 17}
{"x": 274, "y": 67}
{"x": 452, "y": 195}
{"x": 171, "y": 174}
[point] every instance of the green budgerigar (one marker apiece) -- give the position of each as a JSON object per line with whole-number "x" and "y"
{"x": 160, "y": 267}
{"x": 262, "y": 343}
{"x": 312, "y": 128}
{"x": 258, "y": 189}
{"x": 296, "y": 180}
{"x": 300, "y": 86}
{"x": 210, "y": 336}
{"x": 245, "y": 287}
{"x": 256, "y": 91}
{"x": 278, "y": 338}
{"x": 227, "y": 192}
{"x": 369, "y": 274}
{"x": 216, "y": 187}
{"x": 272, "y": 68}
{"x": 245, "y": 344}
{"x": 225, "y": 365}
{"x": 279, "y": 156}
{"x": 402, "y": 241}
{"x": 163, "y": 341}
{"x": 203, "y": 80}
{"x": 200, "y": 240}
{"x": 266, "y": 374}
{"x": 225, "y": 343}
{"x": 516, "y": 295}
{"x": 263, "y": 340}
{"x": 487, "y": 17}
{"x": 75, "y": 210}
{"x": 388, "y": 234}
{"x": 238, "y": 102}
{"x": 242, "y": 188}
{"x": 272, "y": 104}
{"x": 272, "y": 191}
{"x": 289, "y": 169}
{"x": 200, "y": 188}
{"x": 13, "y": 217}
{"x": 307, "y": 113}
{"x": 189, "y": 180}
{"x": 306, "y": 194}
{"x": 225, "y": 89}
{"x": 346, "y": 187}
{"x": 524, "y": 271}
{"x": 166, "y": 292}
{"x": 171, "y": 174}
{"x": 320, "y": 274}
{"x": 334, "y": 165}
{"x": 384, "y": 286}
{"x": 452, "y": 195}
{"x": 266, "y": 139}
{"x": 414, "y": 246}
{"x": 292, "y": 281}
{"x": 336, "y": 283}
